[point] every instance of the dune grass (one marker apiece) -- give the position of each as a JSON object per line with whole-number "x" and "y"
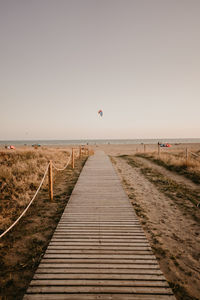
{"x": 20, "y": 174}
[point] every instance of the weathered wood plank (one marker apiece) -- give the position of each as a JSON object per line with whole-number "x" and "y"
{"x": 45, "y": 264}
{"x": 96, "y": 233}
{"x": 102, "y": 239}
{"x": 99, "y": 289}
{"x": 101, "y": 256}
{"x": 106, "y": 231}
{"x": 97, "y": 252}
{"x": 76, "y": 270}
{"x": 112, "y": 241}
{"x": 100, "y": 247}
{"x": 101, "y": 225}
{"x": 97, "y": 297}
{"x": 99, "y": 282}
{"x": 144, "y": 262}
{"x": 93, "y": 243}
{"x": 100, "y": 234}
{"x": 100, "y": 276}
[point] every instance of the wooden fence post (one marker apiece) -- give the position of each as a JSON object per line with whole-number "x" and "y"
{"x": 158, "y": 150}
{"x": 80, "y": 152}
{"x": 72, "y": 158}
{"x": 50, "y": 181}
{"x": 186, "y": 156}
{"x": 144, "y": 148}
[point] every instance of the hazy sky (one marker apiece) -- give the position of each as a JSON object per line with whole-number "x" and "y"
{"x": 63, "y": 60}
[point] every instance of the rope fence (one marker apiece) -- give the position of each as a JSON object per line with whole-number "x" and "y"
{"x": 62, "y": 169}
{"x": 6, "y": 231}
{"x": 187, "y": 154}
{"x": 49, "y": 170}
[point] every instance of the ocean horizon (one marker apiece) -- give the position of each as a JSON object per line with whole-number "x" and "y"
{"x": 52, "y": 142}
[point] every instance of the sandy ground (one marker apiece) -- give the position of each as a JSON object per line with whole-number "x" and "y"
{"x": 173, "y": 232}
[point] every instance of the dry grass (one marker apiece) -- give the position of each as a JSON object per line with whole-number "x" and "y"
{"x": 20, "y": 174}
{"x": 175, "y": 160}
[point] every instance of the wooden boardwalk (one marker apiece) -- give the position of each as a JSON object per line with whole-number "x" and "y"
{"x": 99, "y": 249}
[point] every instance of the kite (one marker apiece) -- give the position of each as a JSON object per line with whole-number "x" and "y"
{"x": 100, "y": 112}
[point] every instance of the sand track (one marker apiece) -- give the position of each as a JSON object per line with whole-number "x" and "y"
{"x": 172, "y": 175}
{"x": 173, "y": 234}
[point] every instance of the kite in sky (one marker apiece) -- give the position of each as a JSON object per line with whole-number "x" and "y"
{"x": 100, "y": 112}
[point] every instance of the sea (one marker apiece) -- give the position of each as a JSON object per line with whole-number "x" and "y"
{"x": 99, "y": 141}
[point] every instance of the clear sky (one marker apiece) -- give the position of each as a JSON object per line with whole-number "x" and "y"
{"x": 63, "y": 60}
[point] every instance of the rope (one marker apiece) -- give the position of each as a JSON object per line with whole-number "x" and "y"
{"x": 58, "y": 169}
{"x": 28, "y": 204}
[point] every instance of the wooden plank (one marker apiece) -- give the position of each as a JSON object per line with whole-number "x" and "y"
{"x": 45, "y": 264}
{"x": 113, "y": 214}
{"x": 97, "y": 297}
{"x": 101, "y": 225}
{"x": 99, "y": 261}
{"x": 100, "y": 247}
{"x": 100, "y": 256}
{"x": 99, "y": 282}
{"x": 99, "y": 289}
{"x": 76, "y": 270}
{"x": 93, "y": 243}
{"x": 99, "y": 237}
{"x": 100, "y": 276}
{"x": 97, "y": 252}
{"x": 102, "y": 239}
{"x": 102, "y": 233}
{"x": 121, "y": 216}
{"x": 101, "y": 228}
{"x": 97, "y": 221}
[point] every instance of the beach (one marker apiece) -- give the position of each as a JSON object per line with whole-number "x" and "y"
{"x": 165, "y": 199}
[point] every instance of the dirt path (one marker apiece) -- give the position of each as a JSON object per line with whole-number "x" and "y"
{"x": 173, "y": 234}
{"x": 176, "y": 177}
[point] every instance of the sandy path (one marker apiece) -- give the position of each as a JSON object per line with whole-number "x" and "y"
{"x": 173, "y": 235}
{"x": 174, "y": 176}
